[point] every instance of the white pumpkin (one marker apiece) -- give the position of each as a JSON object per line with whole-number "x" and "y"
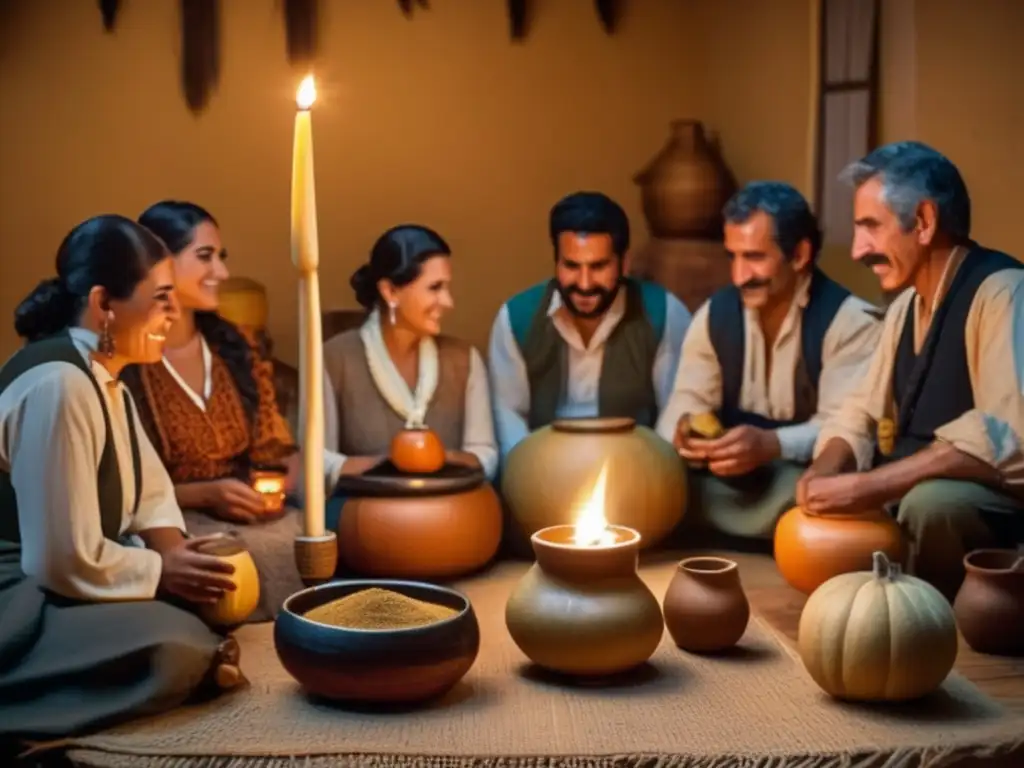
{"x": 877, "y": 635}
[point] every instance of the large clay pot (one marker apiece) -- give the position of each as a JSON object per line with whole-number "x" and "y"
{"x": 549, "y": 474}
{"x": 413, "y": 527}
{"x": 685, "y": 186}
{"x": 417, "y": 451}
{"x": 584, "y": 610}
{"x": 705, "y": 607}
{"x": 989, "y": 607}
{"x": 811, "y": 549}
{"x": 234, "y": 607}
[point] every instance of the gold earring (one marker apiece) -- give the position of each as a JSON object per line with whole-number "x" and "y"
{"x": 106, "y": 341}
{"x": 391, "y": 312}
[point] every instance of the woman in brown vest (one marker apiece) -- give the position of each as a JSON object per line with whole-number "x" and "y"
{"x": 398, "y": 369}
{"x": 209, "y": 407}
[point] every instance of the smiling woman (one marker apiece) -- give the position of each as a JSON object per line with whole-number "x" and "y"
{"x": 210, "y": 408}
{"x": 80, "y": 485}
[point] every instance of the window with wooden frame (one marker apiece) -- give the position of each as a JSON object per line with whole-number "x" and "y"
{"x": 847, "y": 106}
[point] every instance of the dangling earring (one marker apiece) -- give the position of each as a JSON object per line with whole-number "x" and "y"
{"x": 391, "y": 312}
{"x": 106, "y": 342}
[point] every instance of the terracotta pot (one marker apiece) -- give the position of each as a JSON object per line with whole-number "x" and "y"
{"x": 547, "y": 474}
{"x": 989, "y": 607}
{"x": 417, "y": 451}
{"x": 705, "y": 607}
{"x": 811, "y": 549}
{"x": 685, "y": 186}
{"x": 396, "y": 526}
{"x": 583, "y": 610}
{"x": 406, "y": 665}
{"x": 234, "y": 607}
{"x": 243, "y": 301}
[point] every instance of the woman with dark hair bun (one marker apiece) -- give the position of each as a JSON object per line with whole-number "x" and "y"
{"x": 398, "y": 368}
{"x": 210, "y": 408}
{"x": 91, "y": 536}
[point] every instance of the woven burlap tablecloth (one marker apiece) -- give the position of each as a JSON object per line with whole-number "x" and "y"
{"x": 754, "y": 708}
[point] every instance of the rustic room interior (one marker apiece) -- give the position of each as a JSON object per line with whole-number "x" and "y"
{"x": 452, "y": 114}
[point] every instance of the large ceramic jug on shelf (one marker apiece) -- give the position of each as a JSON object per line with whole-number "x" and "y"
{"x": 549, "y": 473}
{"x": 685, "y": 186}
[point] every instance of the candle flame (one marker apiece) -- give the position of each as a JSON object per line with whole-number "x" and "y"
{"x": 306, "y": 94}
{"x": 591, "y": 525}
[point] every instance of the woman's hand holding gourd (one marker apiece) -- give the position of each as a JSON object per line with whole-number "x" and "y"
{"x": 188, "y": 573}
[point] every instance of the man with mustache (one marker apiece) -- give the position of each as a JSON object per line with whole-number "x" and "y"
{"x": 590, "y": 341}
{"x": 771, "y": 356}
{"x": 944, "y": 394}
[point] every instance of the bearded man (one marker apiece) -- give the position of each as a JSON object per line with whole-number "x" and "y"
{"x": 590, "y": 341}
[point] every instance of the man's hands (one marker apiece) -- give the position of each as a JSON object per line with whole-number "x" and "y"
{"x": 832, "y": 485}
{"x": 193, "y": 576}
{"x": 739, "y": 451}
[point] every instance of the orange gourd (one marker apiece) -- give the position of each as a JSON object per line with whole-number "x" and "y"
{"x": 810, "y": 549}
{"x": 418, "y": 451}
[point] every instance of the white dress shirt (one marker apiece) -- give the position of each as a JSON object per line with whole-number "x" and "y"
{"x": 51, "y": 439}
{"x": 845, "y": 355}
{"x": 510, "y": 386}
{"x": 992, "y": 431}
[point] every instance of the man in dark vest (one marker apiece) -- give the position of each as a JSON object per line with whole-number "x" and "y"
{"x": 590, "y": 341}
{"x": 771, "y": 356}
{"x": 936, "y": 428}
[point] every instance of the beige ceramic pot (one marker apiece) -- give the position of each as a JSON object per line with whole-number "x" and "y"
{"x": 706, "y": 609}
{"x": 234, "y": 607}
{"x": 584, "y": 610}
{"x": 549, "y": 474}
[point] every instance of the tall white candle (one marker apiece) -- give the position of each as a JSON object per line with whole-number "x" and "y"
{"x": 306, "y": 257}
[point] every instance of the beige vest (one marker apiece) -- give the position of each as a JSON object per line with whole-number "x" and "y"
{"x": 366, "y": 423}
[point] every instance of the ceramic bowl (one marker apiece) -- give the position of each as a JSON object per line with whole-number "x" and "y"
{"x": 388, "y": 666}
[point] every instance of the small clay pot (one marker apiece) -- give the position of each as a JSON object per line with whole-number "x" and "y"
{"x": 989, "y": 607}
{"x": 417, "y": 451}
{"x": 705, "y": 607}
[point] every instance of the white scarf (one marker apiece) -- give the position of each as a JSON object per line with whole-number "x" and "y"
{"x": 411, "y": 406}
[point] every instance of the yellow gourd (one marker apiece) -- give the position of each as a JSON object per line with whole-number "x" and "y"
{"x": 706, "y": 425}
{"x": 877, "y": 635}
{"x": 234, "y": 607}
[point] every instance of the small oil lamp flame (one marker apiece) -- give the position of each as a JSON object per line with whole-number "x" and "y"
{"x": 591, "y": 529}
{"x": 306, "y": 94}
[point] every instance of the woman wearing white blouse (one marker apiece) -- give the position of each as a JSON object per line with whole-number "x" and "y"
{"x": 91, "y": 536}
{"x": 398, "y": 369}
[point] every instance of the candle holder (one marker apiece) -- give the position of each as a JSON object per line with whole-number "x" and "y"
{"x": 582, "y": 609}
{"x": 269, "y": 484}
